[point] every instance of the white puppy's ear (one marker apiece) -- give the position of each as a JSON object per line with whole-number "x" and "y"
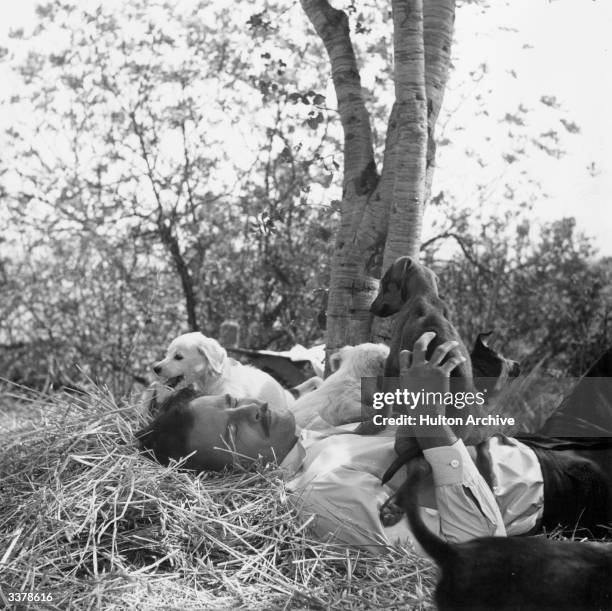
{"x": 335, "y": 360}
{"x": 214, "y": 353}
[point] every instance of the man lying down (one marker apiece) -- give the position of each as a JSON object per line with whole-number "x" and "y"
{"x": 535, "y": 482}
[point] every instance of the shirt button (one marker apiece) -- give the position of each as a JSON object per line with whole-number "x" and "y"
{"x": 454, "y": 463}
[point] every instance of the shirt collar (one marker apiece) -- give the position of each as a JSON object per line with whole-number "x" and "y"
{"x": 294, "y": 460}
{"x": 291, "y": 464}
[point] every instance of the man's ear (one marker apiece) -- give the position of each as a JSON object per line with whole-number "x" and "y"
{"x": 214, "y": 354}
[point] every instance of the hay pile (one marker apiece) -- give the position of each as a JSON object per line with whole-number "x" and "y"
{"x": 86, "y": 519}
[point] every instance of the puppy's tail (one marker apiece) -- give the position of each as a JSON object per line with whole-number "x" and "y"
{"x": 435, "y": 547}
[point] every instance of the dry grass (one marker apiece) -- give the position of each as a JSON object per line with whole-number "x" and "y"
{"x": 530, "y": 399}
{"x": 88, "y": 520}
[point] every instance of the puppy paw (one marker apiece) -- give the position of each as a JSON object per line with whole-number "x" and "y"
{"x": 390, "y": 513}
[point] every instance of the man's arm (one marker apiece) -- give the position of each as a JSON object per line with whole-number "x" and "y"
{"x": 340, "y": 495}
{"x": 339, "y": 490}
{"x": 466, "y": 505}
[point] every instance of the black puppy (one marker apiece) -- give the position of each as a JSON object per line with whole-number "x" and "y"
{"x": 490, "y": 368}
{"x": 511, "y": 574}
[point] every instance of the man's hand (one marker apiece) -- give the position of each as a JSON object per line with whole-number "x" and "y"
{"x": 417, "y": 373}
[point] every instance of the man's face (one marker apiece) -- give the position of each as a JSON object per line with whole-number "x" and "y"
{"x": 213, "y": 426}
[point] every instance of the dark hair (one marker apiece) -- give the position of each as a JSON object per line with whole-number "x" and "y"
{"x": 166, "y": 436}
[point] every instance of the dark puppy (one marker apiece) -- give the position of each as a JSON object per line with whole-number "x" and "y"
{"x": 516, "y": 573}
{"x": 490, "y": 368}
{"x": 410, "y": 290}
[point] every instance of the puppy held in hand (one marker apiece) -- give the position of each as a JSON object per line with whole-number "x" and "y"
{"x": 410, "y": 290}
{"x": 194, "y": 359}
{"x": 515, "y": 573}
{"x": 338, "y": 398}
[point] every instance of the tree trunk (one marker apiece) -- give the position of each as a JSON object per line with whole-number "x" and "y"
{"x": 406, "y": 214}
{"x": 350, "y": 292}
{"x": 171, "y": 243}
{"x": 382, "y": 219}
{"x": 410, "y": 154}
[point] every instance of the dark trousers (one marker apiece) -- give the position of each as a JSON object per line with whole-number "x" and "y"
{"x": 574, "y": 448}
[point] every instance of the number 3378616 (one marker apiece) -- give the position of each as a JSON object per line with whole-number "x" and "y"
{"x": 22, "y": 597}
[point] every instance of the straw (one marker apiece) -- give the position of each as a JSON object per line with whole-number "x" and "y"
{"x": 87, "y": 519}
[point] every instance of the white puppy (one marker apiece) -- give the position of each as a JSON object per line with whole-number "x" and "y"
{"x": 338, "y": 399}
{"x": 195, "y": 359}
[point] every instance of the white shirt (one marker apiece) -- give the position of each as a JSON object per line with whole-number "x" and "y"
{"x": 335, "y": 477}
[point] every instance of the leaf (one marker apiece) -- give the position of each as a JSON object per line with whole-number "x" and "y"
{"x": 550, "y": 100}
{"x": 285, "y": 155}
{"x": 570, "y": 126}
{"x": 513, "y": 119}
{"x": 294, "y": 97}
{"x": 257, "y": 21}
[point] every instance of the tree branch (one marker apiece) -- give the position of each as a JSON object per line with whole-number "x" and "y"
{"x": 351, "y": 291}
{"x": 467, "y": 253}
{"x": 332, "y": 27}
{"x": 166, "y": 235}
{"x": 438, "y": 23}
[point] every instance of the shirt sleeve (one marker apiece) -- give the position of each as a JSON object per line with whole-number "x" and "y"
{"x": 466, "y": 505}
{"x": 343, "y": 503}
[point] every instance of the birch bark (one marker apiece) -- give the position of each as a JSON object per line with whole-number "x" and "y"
{"x": 438, "y": 25}
{"x": 351, "y": 291}
{"x": 381, "y": 217}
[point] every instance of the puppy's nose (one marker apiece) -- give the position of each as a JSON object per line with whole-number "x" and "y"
{"x": 157, "y": 369}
